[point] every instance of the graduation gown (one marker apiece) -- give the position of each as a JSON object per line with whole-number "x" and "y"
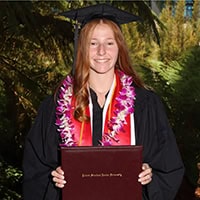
{"x": 152, "y": 130}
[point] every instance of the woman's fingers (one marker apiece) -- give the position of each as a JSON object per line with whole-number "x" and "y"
{"x": 145, "y": 176}
{"x": 59, "y": 170}
{"x": 58, "y": 177}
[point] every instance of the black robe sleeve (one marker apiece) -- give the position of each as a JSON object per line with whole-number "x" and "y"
{"x": 41, "y": 155}
{"x": 160, "y": 150}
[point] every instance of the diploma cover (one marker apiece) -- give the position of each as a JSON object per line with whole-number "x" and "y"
{"x": 102, "y": 173}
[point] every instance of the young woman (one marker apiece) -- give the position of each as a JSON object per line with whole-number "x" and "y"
{"x": 103, "y": 103}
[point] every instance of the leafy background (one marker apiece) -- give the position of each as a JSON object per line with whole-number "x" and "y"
{"x": 36, "y": 52}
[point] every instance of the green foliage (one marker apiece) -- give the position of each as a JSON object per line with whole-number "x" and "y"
{"x": 186, "y": 103}
{"x": 178, "y": 82}
{"x": 34, "y": 52}
{"x": 37, "y": 51}
{"x": 173, "y": 70}
{"x": 10, "y": 188}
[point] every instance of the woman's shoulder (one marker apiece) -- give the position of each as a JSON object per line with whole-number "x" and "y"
{"x": 146, "y": 98}
{"x": 47, "y": 104}
{"x": 145, "y": 94}
{"x": 49, "y": 99}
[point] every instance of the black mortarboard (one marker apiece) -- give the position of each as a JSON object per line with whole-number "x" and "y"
{"x": 86, "y": 14}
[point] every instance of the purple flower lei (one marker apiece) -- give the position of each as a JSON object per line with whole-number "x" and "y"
{"x": 124, "y": 106}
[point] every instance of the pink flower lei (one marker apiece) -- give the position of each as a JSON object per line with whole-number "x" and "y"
{"x": 124, "y": 106}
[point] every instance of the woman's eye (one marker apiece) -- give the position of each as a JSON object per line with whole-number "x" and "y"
{"x": 93, "y": 43}
{"x": 110, "y": 43}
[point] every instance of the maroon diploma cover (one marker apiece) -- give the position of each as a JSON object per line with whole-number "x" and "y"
{"x": 102, "y": 173}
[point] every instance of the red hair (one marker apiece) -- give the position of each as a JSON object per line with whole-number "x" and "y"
{"x": 82, "y": 66}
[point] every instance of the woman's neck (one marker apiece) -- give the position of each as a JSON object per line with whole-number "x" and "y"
{"x": 101, "y": 84}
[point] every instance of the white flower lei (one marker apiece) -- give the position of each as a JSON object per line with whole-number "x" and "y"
{"x": 124, "y": 106}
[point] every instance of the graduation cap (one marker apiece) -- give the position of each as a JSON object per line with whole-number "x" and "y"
{"x": 86, "y": 14}
{"x": 99, "y": 11}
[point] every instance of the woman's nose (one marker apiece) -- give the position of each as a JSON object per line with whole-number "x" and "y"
{"x": 101, "y": 49}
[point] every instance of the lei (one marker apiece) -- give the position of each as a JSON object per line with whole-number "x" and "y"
{"x": 124, "y": 106}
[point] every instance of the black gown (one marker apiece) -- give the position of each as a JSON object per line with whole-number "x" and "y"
{"x": 152, "y": 130}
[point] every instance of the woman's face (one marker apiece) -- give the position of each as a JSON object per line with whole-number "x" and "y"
{"x": 103, "y": 49}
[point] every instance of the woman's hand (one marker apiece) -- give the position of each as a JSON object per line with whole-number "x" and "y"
{"x": 145, "y": 176}
{"x": 58, "y": 177}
